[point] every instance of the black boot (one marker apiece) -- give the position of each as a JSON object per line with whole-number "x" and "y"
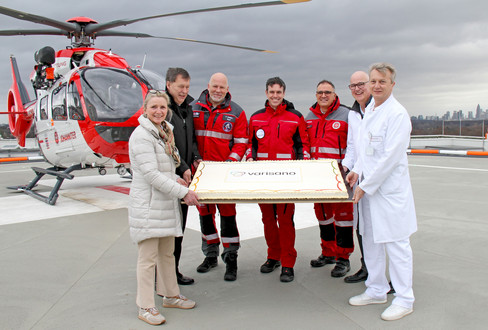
{"x": 231, "y": 267}
{"x": 207, "y": 264}
{"x": 322, "y": 261}
{"x": 287, "y": 274}
{"x": 341, "y": 268}
{"x": 361, "y": 275}
{"x": 183, "y": 280}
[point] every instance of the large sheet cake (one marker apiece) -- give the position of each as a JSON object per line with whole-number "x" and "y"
{"x": 270, "y": 182}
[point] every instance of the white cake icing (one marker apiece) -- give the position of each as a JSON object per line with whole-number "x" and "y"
{"x": 309, "y": 180}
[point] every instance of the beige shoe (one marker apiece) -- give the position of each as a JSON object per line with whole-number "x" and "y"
{"x": 151, "y": 316}
{"x": 179, "y": 301}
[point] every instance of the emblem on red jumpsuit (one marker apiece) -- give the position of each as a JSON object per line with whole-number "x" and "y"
{"x": 227, "y": 126}
{"x": 336, "y": 125}
{"x": 260, "y": 133}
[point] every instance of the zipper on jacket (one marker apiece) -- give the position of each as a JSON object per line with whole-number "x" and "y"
{"x": 217, "y": 114}
{"x": 278, "y": 130}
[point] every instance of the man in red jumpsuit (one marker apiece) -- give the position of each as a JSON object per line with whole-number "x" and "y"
{"x": 221, "y": 133}
{"x": 327, "y": 125}
{"x": 278, "y": 132}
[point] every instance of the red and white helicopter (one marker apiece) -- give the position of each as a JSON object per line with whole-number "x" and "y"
{"x": 87, "y": 99}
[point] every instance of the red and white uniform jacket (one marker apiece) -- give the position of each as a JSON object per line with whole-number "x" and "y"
{"x": 278, "y": 135}
{"x": 328, "y": 132}
{"x": 221, "y": 132}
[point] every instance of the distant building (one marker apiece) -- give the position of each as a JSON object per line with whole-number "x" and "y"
{"x": 479, "y": 112}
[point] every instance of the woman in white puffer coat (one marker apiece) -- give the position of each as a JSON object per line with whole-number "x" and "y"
{"x": 154, "y": 208}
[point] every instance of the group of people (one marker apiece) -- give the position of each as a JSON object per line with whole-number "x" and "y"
{"x": 369, "y": 140}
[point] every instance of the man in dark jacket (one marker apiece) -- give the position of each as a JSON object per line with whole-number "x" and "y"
{"x": 177, "y": 88}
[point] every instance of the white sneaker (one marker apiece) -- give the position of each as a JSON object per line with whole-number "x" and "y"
{"x": 395, "y": 312}
{"x": 364, "y": 299}
{"x": 151, "y": 316}
{"x": 179, "y": 301}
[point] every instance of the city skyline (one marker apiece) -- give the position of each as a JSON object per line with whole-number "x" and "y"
{"x": 478, "y": 114}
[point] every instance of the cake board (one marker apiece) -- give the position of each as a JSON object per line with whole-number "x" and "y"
{"x": 271, "y": 182}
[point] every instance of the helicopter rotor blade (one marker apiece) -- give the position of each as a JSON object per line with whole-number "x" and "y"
{"x": 144, "y": 35}
{"x": 33, "y": 32}
{"x": 116, "y": 23}
{"x": 68, "y": 27}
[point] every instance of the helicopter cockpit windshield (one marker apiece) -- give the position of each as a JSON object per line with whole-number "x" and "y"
{"x": 111, "y": 95}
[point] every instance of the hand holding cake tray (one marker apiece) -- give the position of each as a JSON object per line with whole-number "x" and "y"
{"x": 307, "y": 181}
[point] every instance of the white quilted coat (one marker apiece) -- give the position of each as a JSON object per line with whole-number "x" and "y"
{"x": 154, "y": 204}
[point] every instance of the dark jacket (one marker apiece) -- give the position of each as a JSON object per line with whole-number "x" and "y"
{"x": 357, "y": 108}
{"x": 184, "y": 132}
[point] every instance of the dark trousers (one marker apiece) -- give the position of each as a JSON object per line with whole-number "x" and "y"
{"x": 360, "y": 242}
{"x": 179, "y": 240}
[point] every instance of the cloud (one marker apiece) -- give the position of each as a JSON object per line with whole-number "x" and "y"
{"x": 438, "y": 47}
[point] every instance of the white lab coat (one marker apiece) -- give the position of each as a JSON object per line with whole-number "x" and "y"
{"x": 382, "y": 165}
{"x": 354, "y": 121}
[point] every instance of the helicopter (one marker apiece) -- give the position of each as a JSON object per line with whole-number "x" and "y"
{"x": 88, "y": 100}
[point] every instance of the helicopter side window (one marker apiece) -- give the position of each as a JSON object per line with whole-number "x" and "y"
{"x": 151, "y": 79}
{"x": 74, "y": 104}
{"x": 43, "y": 108}
{"x": 59, "y": 104}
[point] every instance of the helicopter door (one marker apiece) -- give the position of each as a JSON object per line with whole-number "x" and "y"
{"x": 75, "y": 116}
{"x": 63, "y": 132}
{"x": 43, "y": 124}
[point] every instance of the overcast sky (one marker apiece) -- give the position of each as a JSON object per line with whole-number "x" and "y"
{"x": 440, "y": 48}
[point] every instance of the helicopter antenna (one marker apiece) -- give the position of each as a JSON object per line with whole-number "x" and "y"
{"x": 143, "y": 61}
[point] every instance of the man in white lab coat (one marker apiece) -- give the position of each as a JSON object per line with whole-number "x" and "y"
{"x": 385, "y": 196}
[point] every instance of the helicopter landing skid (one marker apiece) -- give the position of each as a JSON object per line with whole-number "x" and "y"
{"x": 59, "y": 173}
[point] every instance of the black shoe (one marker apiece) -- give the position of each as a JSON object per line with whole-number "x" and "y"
{"x": 207, "y": 264}
{"x": 360, "y": 276}
{"x": 341, "y": 268}
{"x": 231, "y": 267}
{"x": 184, "y": 280}
{"x": 270, "y": 265}
{"x": 322, "y": 261}
{"x": 287, "y": 274}
{"x": 392, "y": 290}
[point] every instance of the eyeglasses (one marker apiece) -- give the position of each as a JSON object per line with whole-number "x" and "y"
{"x": 156, "y": 92}
{"x": 323, "y": 92}
{"x": 358, "y": 85}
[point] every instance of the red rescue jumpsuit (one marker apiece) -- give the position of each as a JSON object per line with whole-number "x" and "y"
{"x": 278, "y": 135}
{"x": 221, "y": 135}
{"x": 328, "y": 139}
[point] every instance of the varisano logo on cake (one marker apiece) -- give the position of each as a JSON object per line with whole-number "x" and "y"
{"x": 281, "y": 175}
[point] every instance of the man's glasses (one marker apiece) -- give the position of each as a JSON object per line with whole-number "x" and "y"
{"x": 358, "y": 85}
{"x": 323, "y": 92}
